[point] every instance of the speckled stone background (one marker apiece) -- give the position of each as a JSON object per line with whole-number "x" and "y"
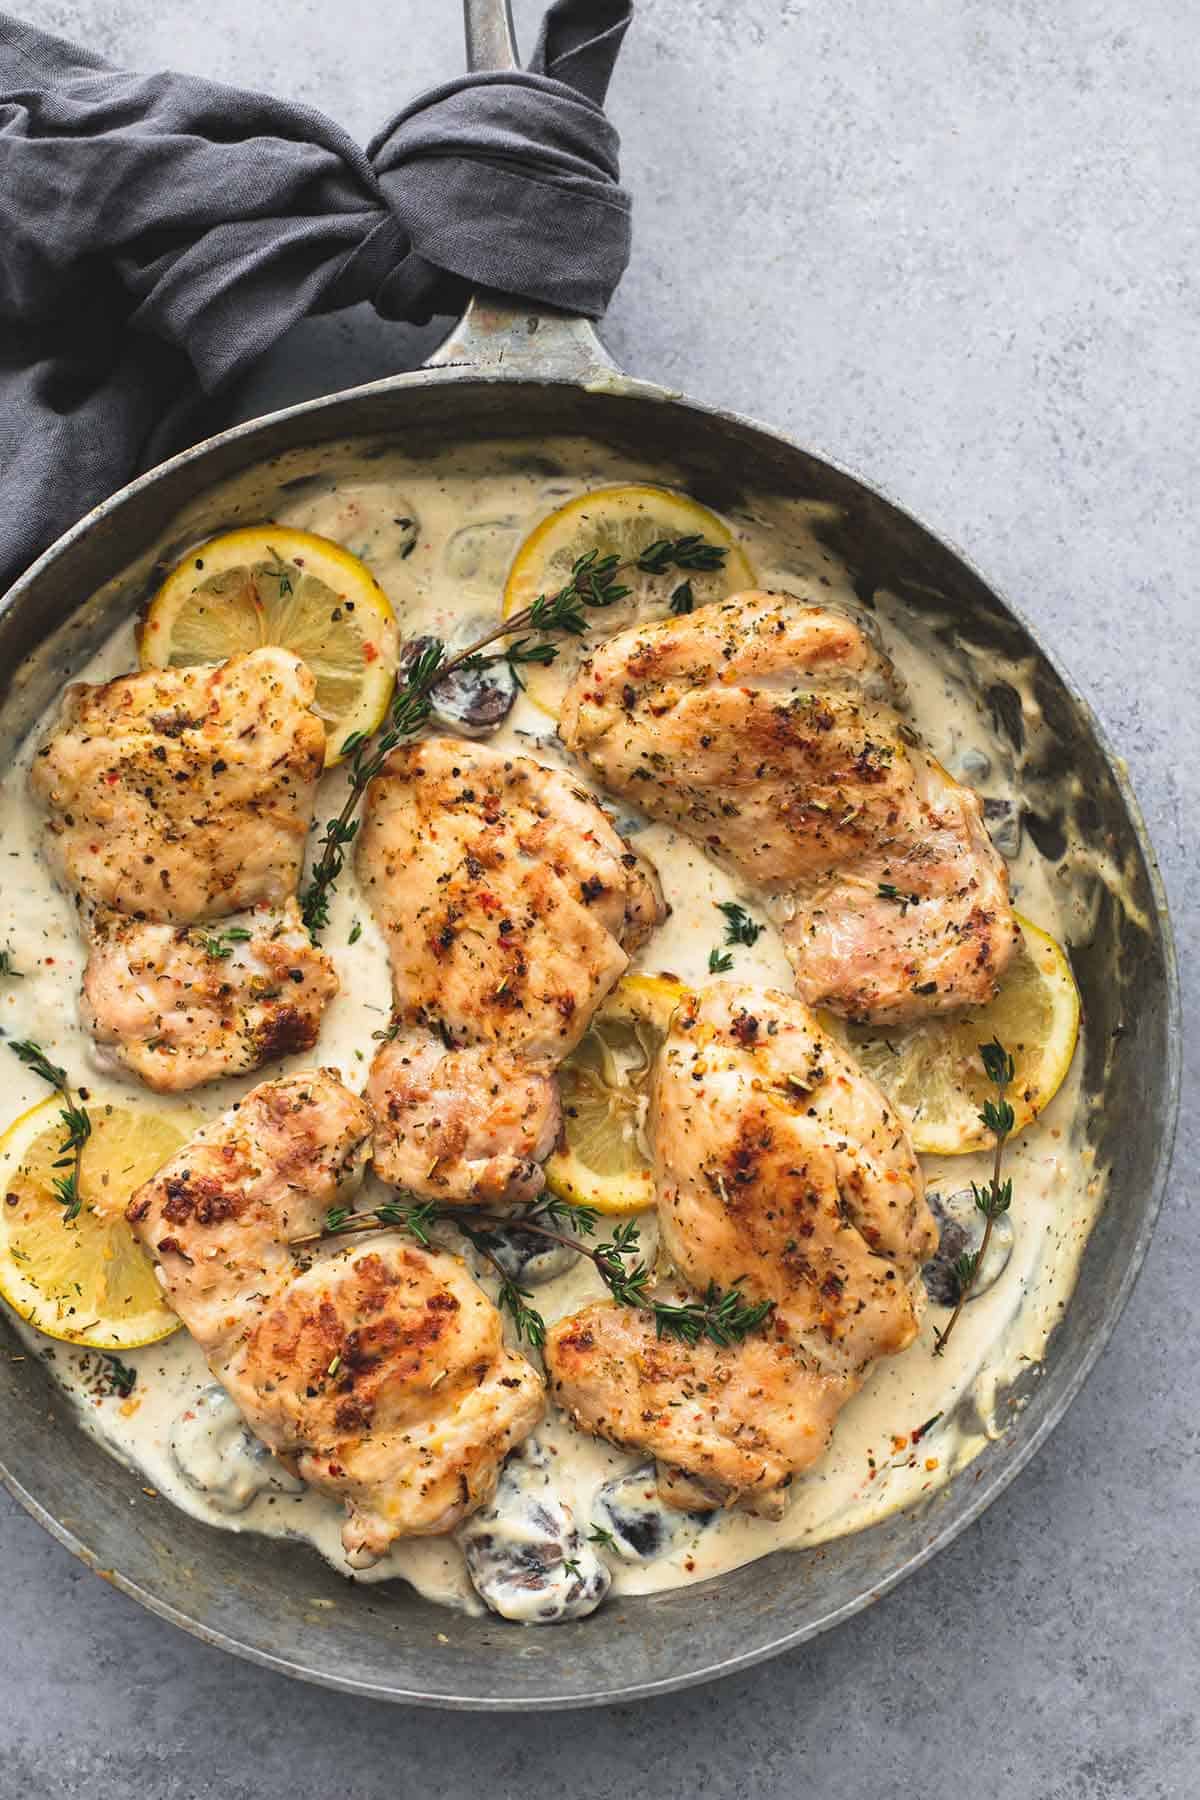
{"x": 955, "y": 244}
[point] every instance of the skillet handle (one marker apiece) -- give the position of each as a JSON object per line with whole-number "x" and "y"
{"x": 496, "y": 333}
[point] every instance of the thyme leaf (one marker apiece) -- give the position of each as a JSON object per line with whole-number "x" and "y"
{"x": 887, "y": 890}
{"x": 122, "y": 1378}
{"x": 220, "y": 944}
{"x": 723, "y": 1316}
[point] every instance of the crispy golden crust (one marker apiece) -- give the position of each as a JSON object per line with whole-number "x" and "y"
{"x": 184, "y": 794}
{"x": 377, "y": 1370}
{"x": 506, "y": 898}
{"x": 764, "y": 728}
{"x": 179, "y": 1006}
{"x": 741, "y": 1420}
{"x": 778, "y": 1162}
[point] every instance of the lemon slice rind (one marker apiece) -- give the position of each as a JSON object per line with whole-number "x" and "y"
{"x": 602, "y": 1163}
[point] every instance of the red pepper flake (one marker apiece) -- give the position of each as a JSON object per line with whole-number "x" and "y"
{"x": 370, "y": 653}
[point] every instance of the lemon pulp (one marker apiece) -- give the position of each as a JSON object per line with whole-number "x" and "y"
{"x": 87, "y": 1280}
{"x": 605, "y": 1160}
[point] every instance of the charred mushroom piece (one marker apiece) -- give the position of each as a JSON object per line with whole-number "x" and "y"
{"x": 525, "y": 1556}
{"x": 472, "y": 702}
{"x": 962, "y": 1226}
{"x": 215, "y": 1453}
{"x": 1003, "y": 820}
{"x": 631, "y": 1510}
{"x": 526, "y": 1257}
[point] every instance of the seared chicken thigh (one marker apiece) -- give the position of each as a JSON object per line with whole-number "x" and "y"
{"x": 764, "y": 728}
{"x": 781, "y": 1170}
{"x": 507, "y": 899}
{"x": 179, "y": 1005}
{"x": 738, "y": 1420}
{"x": 184, "y": 794}
{"x": 175, "y": 799}
{"x": 376, "y": 1372}
{"x": 781, "y": 1166}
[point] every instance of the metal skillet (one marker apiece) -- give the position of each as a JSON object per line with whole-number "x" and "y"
{"x": 514, "y": 373}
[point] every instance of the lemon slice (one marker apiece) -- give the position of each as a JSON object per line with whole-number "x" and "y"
{"x": 622, "y": 522}
{"x": 605, "y": 1160}
{"x": 89, "y": 1281}
{"x": 267, "y": 584}
{"x": 932, "y": 1071}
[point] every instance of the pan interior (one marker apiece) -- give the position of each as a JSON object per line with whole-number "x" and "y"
{"x": 279, "y": 1603}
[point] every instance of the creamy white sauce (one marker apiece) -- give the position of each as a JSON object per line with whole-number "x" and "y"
{"x": 472, "y": 510}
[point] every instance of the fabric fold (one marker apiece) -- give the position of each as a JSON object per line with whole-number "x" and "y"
{"x": 161, "y": 231}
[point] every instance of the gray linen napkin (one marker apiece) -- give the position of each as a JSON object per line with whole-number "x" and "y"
{"x": 158, "y": 232}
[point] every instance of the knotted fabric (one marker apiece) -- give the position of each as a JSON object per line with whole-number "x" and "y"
{"x": 159, "y": 232}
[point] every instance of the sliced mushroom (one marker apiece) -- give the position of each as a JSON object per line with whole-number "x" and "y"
{"x": 1003, "y": 820}
{"x": 525, "y": 1556}
{"x": 477, "y": 557}
{"x": 216, "y": 1454}
{"x": 630, "y": 1508}
{"x": 526, "y": 1257}
{"x": 962, "y": 1226}
{"x": 472, "y": 702}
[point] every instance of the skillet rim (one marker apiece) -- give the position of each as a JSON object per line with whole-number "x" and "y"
{"x": 1004, "y": 1470}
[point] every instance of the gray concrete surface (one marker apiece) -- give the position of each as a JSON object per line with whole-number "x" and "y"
{"x": 979, "y": 222}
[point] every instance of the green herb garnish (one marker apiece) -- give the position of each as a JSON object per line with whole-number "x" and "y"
{"x": 996, "y": 1197}
{"x": 77, "y": 1124}
{"x": 740, "y": 928}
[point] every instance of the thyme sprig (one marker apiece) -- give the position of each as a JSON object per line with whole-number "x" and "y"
{"x": 595, "y": 582}
{"x": 77, "y": 1124}
{"x": 996, "y": 1198}
{"x": 724, "y": 1316}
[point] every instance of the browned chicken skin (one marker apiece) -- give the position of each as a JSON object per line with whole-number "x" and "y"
{"x": 764, "y": 728}
{"x": 738, "y": 1421}
{"x": 177, "y": 798}
{"x": 506, "y": 898}
{"x": 376, "y": 1371}
{"x": 184, "y": 794}
{"x": 782, "y": 1169}
{"x": 179, "y": 1005}
{"x": 780, "y": 1164}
